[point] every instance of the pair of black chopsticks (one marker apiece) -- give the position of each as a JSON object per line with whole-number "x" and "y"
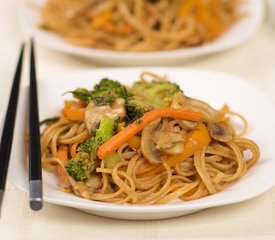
{"x": 35, "y": 173}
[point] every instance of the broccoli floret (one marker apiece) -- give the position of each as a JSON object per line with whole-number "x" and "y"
{"x": 136, "y": 107}
{"x": 79, "y": 168}
{"x": 157, "y": 93}
{"x": 105, "y": 92}
{"x": 82, "y": 94}
{"x": 102, "y": 134}
{"x": 90, "y": 145}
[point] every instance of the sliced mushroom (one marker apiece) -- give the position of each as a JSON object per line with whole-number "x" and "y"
{"x": 187, "y": 125}
{"x": 182, "y": 101}
{"x": 220, "y": 132}
{"x": 148, "y": 147}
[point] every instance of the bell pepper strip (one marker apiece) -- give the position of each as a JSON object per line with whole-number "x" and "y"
{"x": 195, "y": 140}
{"x": 62, "y": 153}
{"x": 134, "y": 142}
{"x": 73, "y": 114}
{"x": 123, "y": 136}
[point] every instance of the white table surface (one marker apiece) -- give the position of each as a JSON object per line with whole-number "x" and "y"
{"x": 253, "y": 219}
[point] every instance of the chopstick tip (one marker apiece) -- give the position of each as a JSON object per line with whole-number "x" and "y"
{"x": 36, "y": 200}
{"x": 36, "y": 204}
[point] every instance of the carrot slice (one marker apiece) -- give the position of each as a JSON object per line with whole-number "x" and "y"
{"x": 123, "y": 136}
{"x": 62, "y": 153}
{"x": 73, "y": 149}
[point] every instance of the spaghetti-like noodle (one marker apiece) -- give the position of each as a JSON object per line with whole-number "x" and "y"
{"x": 170, "y": 158}
{"x": 140, "y": 25}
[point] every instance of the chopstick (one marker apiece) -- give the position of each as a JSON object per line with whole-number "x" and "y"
{"x": 35, "y": 172}
{"x": 8, "y": 127}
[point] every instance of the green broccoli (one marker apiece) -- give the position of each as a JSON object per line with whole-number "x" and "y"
{"x": 136, "y": 107}
{"x": 105, "y": 92}
{"x": 79, "y": 168}
{"x": 102, "y": 134}
{"x": 82, "y": 94}
{"x": 156, "y": 92}
{"x": 90, "y": 145}
{"x": 106, "y": 129}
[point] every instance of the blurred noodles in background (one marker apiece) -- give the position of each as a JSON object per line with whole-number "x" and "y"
{"x": 140, "y": 25}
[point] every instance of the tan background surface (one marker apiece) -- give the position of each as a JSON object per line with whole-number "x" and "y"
{"x": 253, "y": 219}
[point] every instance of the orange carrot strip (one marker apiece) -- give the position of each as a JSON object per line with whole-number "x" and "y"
{"x": 134, "y": 142}
{"x": 123, "y": 136}
{"x": 62, "y": 153}
{"x": 73, "y": 114}
{"x": 73, "y": 149}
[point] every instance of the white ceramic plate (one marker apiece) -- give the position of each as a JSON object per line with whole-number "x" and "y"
{"x": 214, "y": 88}
{"x": 238, "y": 34}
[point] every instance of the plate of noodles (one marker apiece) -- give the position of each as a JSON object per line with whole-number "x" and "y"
{"x": 143, "y": 32}
{"x": 149, "y": 143}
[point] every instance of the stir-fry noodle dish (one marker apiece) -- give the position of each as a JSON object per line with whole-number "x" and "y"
{"x": 140, "y": 25}
{"x": 147, "y": 143}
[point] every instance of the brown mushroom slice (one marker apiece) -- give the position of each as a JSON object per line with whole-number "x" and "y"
{"x": 182, "y": 101}
{"x": 148, "y": 146}
{"x": 220, "y": 132}
{"x": 187, "y": 125}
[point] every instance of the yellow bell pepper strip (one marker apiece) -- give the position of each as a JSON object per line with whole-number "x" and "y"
{"x": 72, "y": 111}
{"x": 73, "y": 114}
{"x": 124, "y": 136}
{"x": 134, "y": 142}
{"x": 195, "y": 140}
